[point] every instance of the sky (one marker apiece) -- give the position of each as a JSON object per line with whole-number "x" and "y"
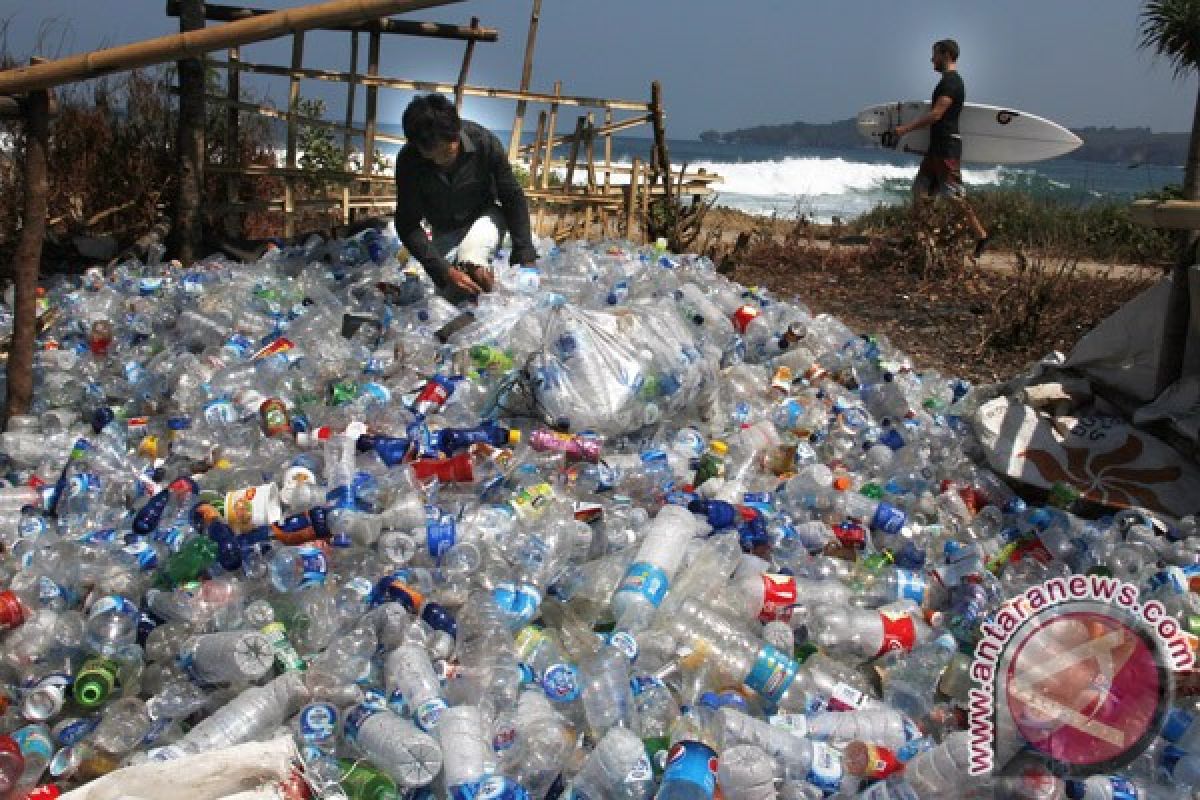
{"x": 722, "y": 65}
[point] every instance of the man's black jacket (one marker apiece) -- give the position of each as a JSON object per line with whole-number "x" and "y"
{"x": 453, "y": 199}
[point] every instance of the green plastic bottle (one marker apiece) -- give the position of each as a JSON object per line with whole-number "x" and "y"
{"x": 188, "y": 564}
{"x": 361, "y": 781}
{"x": 95, "y": 682}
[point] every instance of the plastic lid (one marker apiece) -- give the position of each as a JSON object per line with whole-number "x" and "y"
{"x": 719, "y": 447}
{"x": 514, "y": 436}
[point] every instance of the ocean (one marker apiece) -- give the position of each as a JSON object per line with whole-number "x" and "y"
{"x": 824, "y": 183}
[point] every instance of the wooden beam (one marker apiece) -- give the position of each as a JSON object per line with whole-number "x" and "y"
{"x": 662, "y": 159}
{"x": 573, "y": 158}
{"x": 373, "y": 43}
{"x": 350, "y": 86}
{"x": 609, "y": 128}
{"x": 466, "y": 68}
{"x": 526, "y": 75}
{"x": 196, "y": 43}
{"x": 406, "y": 27}
{"x": 312, "y": 122}
{"x": 407, "y": 85}
{"x": 289, "y": 188}
{"x": 233, "y": 143}
{"x": 28, "y": 257}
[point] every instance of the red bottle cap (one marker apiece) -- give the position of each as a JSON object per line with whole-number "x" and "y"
{"x": 12, "y": 613}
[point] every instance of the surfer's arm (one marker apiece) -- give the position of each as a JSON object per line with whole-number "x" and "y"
{"x": 934, "y": 115}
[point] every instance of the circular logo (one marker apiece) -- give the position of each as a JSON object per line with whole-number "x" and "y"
{"x": 1085, "y": 687}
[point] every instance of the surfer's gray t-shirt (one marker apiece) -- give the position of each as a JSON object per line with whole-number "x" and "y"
{"x": 944, "y": 141}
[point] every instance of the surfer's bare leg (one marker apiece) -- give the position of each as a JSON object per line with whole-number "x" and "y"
{"x": 964, "y": 208}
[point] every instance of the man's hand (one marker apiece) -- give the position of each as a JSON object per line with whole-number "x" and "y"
{"x": 463, "y": 281}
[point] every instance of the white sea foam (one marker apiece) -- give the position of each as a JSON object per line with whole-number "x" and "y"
{"x": 816, "y": 177}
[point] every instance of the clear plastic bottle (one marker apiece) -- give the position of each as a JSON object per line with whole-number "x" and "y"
{"x": 648, "y": 579}
{"x": 617, "y": 769}
{"x": 411, "y": 757}
{"x": 248, "y": 715}
{"x": 746, "y": 772}
{"x": 607, "y": 695}
{"x": 229, "y": 657}
{"x": 467, "y": 746}
{"x": 410, "y": 674}
{"x": 866, "y": 633}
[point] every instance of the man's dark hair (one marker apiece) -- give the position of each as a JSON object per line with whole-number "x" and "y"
{"x": 947, "y": 47}
{"x": 430, "y": 120}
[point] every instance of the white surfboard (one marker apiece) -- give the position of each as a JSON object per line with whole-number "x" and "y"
{"x": 990, "y": 134}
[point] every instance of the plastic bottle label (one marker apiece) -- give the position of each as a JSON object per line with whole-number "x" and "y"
{"x": 888, "y": 519}
{"x": 113, "y": 602}
{"x": 641, "y": 772}
{"x": 561, "y": 683}
{"x": 72, "y": 731}
{"x": 779, "y": 597}
{"x": 356, "y": 718}
{"x": 1122, "y": 788}
{"x": 845, "y": 697}
{"x": 625, "y": 642}
{"x": 694, "y": 763}
{"x": 792, "y": 723}
{"x": 899, "y": 632}
{"x": 647, "y": 580}
{"x": 440, "y": 535}
{"x": 910, "y": 585}
{"x": 826, "y": 770}
{"x": 496, "y": 787}
{"x": 318, "y": 722}
{"x": 428, "y": 714}
{"x": 519, "y": 603}
{"x": 313, "y": 565}
{"x": 772, "y": 674}
{"x": 881, "y": 762}
{"x": 147, "y": 556}
{"x": 34, "y": 742}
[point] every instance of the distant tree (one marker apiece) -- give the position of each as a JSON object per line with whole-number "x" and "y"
{"x": 1171, "y": 29}
{"x": 710, "y": 137}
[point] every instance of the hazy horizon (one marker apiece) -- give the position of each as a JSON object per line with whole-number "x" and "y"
{"x": 772, "y": 62}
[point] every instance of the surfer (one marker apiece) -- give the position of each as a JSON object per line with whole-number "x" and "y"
{"x": 940, "y": 173}
{"x": 455, "y": 175}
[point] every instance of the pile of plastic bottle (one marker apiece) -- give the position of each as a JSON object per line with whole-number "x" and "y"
{"x": 631, "y": 530}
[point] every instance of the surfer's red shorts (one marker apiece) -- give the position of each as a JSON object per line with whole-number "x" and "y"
{"x": 939, "y": 176}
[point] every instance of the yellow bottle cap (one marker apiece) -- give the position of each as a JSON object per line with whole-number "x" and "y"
{"x": 514, "y": 436}
{"x": 719, "y": 447}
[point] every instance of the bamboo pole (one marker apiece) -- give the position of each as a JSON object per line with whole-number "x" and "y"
{"x": 611, "y": 127}
{"x": 631, "y": 198}
{"x": 409, "y": 85}
{"x": 526, "y": 75}
{"x": 660, "y": 137}
{"x": 608, "y": 134}
{"x": 28, "y": 257}
{"x": 187, "y": 224}
{"x": 350, "y": 87}
{"x": 373, "y": 44}
{"x": 535, "y": 163}
{"x": 233, "y": 143}
{"x": 466, "y": 67}
{"x": 573, "y": 158}
{"x": 551, "y": 124}
{"x": 196, "y": 43}
{"x": 289, "y": 184}
{"x": 432, "y": 30}
{"x": 591, "y": 153}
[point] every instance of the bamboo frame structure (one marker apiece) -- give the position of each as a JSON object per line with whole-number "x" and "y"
{"x": 551, "y": 197}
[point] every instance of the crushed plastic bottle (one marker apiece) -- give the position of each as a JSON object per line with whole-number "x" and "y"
{"x": 626, "y": 530}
